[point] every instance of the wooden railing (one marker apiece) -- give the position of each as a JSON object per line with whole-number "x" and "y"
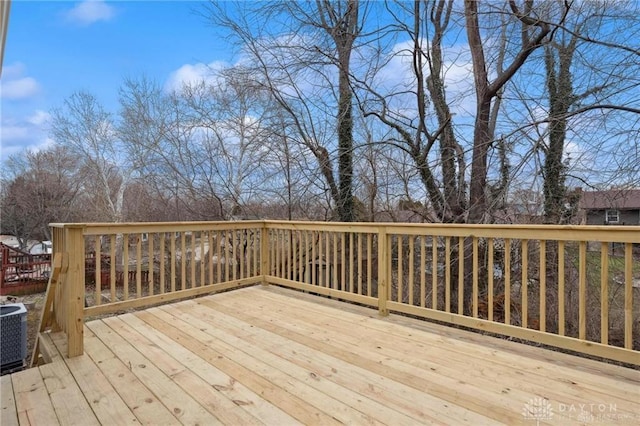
{"x": 572, "y": 287}
{"x": 22, "y": 272}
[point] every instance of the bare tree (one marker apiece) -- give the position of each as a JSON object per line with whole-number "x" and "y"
{"x": 40, "y": 188}
{"x": 87, "y": 130}
{"x": 535, "y": 32}
{"x": 290, "y": 62}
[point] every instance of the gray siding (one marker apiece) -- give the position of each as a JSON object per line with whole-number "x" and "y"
{"x": 627, "y": 217}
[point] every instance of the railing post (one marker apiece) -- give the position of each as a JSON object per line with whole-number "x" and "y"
{"x": 383, "y": 272}
{"x": 74, "y": 293}
{"x": 264, "y": 253}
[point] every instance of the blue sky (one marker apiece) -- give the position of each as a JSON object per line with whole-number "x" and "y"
{"x": 54, "y": 48}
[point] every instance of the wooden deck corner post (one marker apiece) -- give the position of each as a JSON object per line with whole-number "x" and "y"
{"x": 383, "y": 272}
{"x": 75, "y": 289}
{"x": 264, "y": 253}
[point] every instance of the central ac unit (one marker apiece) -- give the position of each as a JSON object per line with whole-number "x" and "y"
{"x": 13, "y": 336}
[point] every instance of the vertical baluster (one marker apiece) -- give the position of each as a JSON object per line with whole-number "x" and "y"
{"x": 447, "y": 274}
{"x": 507, "y": 281}
{"x": 138, "y": 265}
{"x": 352, "y": 254}
{"x": 163, "y": 237}
{"x": 561, "y": 320}
{"x": 151, "y": 262}
{"x": 400, "y": 242}
{"x": 423, "y": 271}
{"x": 98, "y": 271}
{"x": 582, "y": 291}
{"x": 461, "y": 275}
{"x": 524, "y": 284}
{"x": 474, "y": 293}
{"x": 434, "y": 272}
{"x": 543, "y": 286}
{"x": 490, "y": 272}
{"x": 628, "y": 295}
{"x": 112, "y": 269}
{"x": 173, "y": 261}
{"x": 125, "y": 261}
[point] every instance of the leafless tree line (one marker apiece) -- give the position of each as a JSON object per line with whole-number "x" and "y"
{"x": 352, "y": 110}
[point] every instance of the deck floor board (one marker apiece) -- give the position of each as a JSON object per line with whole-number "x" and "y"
{"x": 270, "y": 356}
{"x": 450, "y": 361}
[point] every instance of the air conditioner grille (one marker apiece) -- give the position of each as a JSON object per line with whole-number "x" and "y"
{"x": 13, "y": 332}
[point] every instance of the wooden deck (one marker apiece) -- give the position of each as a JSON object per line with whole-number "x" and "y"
{"x": 265, "y": 355}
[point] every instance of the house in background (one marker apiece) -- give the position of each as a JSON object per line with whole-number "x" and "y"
{"x": 611, "y": 207}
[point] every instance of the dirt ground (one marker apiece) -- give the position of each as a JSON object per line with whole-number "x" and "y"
{"x": 34, "y": 304}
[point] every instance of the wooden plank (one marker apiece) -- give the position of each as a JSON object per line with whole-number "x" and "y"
{"x": 67, "y": 399}
{"x": 392, "y": 402}
{"x": 453, "y": 397}
{"x": 225, "y": 410}
{"x": 257, "y": 364}
{"x": 185, "y": 408}
{"x": 234, "y": 390}
{"x": 33, "y": 405}
{"x": 9, "y": 416}
{"x": 197, "y": 342}
{"x": 105, "y": 402}
{"x": 139, "y": 399}
{"x": 387, "y": 349}
{"x": 537, "y": 358}
{"x": 597, "y": 380}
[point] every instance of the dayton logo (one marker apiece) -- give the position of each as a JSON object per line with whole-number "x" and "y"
{"x": 537, "y": 409}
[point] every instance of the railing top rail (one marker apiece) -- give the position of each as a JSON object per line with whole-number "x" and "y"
{"x": 628, "y": 234}
{"x": 133, "y": 227}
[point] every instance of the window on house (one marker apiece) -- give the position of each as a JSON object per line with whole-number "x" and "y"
{"x": 612, "y": 216}
{"x": 144, "y": 236}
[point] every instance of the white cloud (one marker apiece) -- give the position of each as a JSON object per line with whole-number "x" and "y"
{"x": 39, "y": 118}
{"x": 14, "y": 70}
{"x": 188, "y": 75}
{"x": 26, "y": 132}
{"x": 90, "y": 11}
{"x": 20, "y": 88}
